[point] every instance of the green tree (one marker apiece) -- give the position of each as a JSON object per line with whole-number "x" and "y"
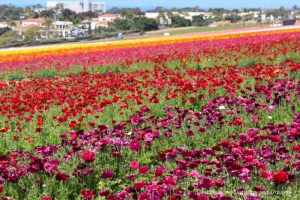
{"x": 4, "y": 30}
{"x": 130, "y": 13}
{"x": 50, "y": 13}
{"x": 199, "y": 20}
{"x": 31, "y": 34}
{"x": 144, "y": 24}
{"x": 178, "y": 21}
{"x": 123, "y": 24}
{"x": 233, "y": 18}
{"x": 48, "y": 23}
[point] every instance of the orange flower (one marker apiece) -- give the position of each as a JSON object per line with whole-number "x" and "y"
{"x": 4, "y": 129}
{"x": 276, "y": 71}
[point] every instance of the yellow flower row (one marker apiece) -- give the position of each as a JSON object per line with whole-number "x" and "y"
{"x": 25, "y": 53}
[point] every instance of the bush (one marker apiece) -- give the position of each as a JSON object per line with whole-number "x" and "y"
{"x": 4, "y": 30}
{"x": 200, "y": 21}
{"x": 178, "y": 21}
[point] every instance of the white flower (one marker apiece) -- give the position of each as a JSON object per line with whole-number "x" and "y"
{"x": 129, "y": 133}
{"x": 222, "y": 108}
{"x": 270, "y": 117}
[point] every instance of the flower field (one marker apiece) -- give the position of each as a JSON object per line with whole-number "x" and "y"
{"x": 210, "y": 117}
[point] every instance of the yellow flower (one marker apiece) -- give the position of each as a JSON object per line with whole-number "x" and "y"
{"x": 276, "y": 71}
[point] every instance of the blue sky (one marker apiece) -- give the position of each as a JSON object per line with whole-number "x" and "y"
{"x": 179, "y": 3}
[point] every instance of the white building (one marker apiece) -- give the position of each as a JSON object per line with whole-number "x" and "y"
{"x": 3, "y": 25}
{"x": 108, "y": 17}
{"x": 33, "y": 22}
{"x": 62, "y": 28}
{"x": 78, "y": 6}
{"x": 186, "y": 15}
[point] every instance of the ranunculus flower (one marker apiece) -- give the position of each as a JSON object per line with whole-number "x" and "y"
{"x": 88, "y": 156}
{"x": 253, "y": 196}
{"x": 88, "y": 194}
{"x": 46, "y": 198}
{"x": 266, "y": 174}
{"x": 107, "y": 173}
{"x": 280, "y": 177}
{"x": 139, "y": 185}
{"x": 134, "y": 164}
{"x": 144, "y": 170}
{"x": 62, "y": 176}
{"x": 104, "y": 192}
{"x": 159, "y": 170}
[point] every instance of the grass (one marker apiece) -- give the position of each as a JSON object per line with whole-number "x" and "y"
{"x": 207, "y": 29}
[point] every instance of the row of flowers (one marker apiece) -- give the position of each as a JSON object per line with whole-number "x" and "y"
{"x": 191, "y": 153}
{"x": 89, "y": 55}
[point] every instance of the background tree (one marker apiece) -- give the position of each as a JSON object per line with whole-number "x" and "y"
{"x": 48, "y": 23}
{"x": 114, "y": 10}
{"x": 11, "y": 23}
{"x": 50, "y": 13}
{"x": 145, "y": 24}
{"x": 10, "y": 12}
{"x": 31, "y": 34}
{"x": 4, "y": 30}
{"x": 123, "y": 24}
{"x": 178, "y": 21}
{"x": 130, "y": 13}
{"x": 199, "y": 20}
{"x": 233, "y": 18}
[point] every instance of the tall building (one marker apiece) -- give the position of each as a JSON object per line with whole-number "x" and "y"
{"x": 78, "y": 6}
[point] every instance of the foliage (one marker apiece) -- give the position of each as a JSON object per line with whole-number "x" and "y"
{"x": 178, "y": 21}
{"x": 233, "y": 18}
{"x": 200, "y": 21}
{"x": 4, "y": 30}
{"x": 10, "y": 12}
{"x": 31, "y": 34}
{"x": 145, "y": 24}
{"x": 130, "y": 13}
{"x": 48, "y": 13}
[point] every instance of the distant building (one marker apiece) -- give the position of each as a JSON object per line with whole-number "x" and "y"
{"x": 3, "y": 25}
{"x": 32, "y": 22}
{"x": 186, "y": 15}
{"x": 78, "y": 6}
{"x": 97, "y": 24}
{"x": 62, "y": 28}
{"x": 107, "y": 17}
{"x": 103, "y": 20}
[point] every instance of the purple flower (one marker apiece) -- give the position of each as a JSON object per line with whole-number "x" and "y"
{"x": 107, "y": 173}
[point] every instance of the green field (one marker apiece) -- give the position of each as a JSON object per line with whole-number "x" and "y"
{"x": 207, "y": 29}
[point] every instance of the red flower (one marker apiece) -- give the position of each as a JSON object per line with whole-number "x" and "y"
{"x": 134, "y": 164}
{"x": 280, "y": 177}
{"x": 139, "y": 185}
{"x": 144, "y": 170}
{"x": 88, "y": 156}
{"x": 88, "y": 194}
{"x": 1, "y": 189}
{"x": 62, "y": 176}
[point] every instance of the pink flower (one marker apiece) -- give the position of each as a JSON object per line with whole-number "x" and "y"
{"x": 266, "y": 174}
{"x": 46, "y": 198}
{"x": 88, "y": 156}
{"x": 134, "y": 164}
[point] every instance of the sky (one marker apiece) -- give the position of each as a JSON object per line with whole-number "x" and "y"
{"x": 147, "y": 4}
